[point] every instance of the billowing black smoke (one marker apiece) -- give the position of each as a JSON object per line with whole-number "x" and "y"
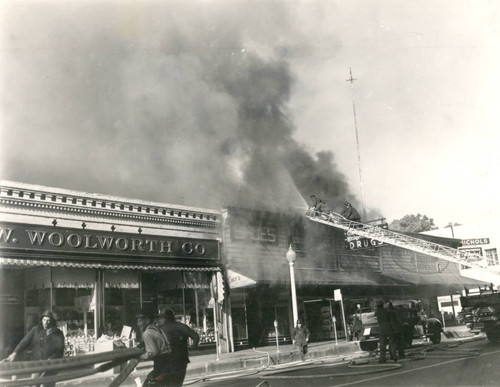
{"x": 276, "y": 167}
{"x": 174, "y": 102}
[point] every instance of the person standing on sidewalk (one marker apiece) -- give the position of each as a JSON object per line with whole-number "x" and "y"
{"x": 300, "y": 338}
{"x": 177, "y": 335}
{"x": 45, "y": 340}
{"x": 156, "y": 348}
{"x": 396, "y": 333}
{"x": 423, "y": 320}
{"x": 386, "y": 332}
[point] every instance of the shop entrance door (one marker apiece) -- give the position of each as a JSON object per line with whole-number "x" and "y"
{"x": 318, "y": 315}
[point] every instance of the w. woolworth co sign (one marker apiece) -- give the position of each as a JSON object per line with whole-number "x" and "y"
{"x": 14, "y": 236}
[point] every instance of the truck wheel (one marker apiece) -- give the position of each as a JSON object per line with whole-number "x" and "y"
{"x": 406, "y": 339}
{"x": 368, "y": 346}
{"x": 436, "y": 338}
{"x": 493, "y": 336}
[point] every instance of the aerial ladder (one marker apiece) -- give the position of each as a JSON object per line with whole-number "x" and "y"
{"x": 482, "y": 308}
{"x": 371, "y": 231}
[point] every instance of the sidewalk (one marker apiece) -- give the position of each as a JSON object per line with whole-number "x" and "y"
{"x": 262, "y": 357}
{"x": 205, "y": 364}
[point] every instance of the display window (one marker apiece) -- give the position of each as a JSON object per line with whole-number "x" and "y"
{"x": 188, "y": 294}
{"x": 96, "y": 309}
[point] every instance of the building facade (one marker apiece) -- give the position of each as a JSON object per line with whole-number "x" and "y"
{"x": 329, "y": 262}
{"x": 482, "y": 240}
{"x": 97, "y": 260}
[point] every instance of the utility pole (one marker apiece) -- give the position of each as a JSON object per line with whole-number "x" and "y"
{"x": 351, "y": 79}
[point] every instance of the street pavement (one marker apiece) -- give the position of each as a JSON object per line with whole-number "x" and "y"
{"x": 207, "y": 365}
{"x": 451, "y": 364}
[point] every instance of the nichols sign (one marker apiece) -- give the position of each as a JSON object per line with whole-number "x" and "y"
{"x": 476, "y": 241}
{"x": 37, "y": 238}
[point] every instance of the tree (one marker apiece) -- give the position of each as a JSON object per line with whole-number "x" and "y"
{"x": 413, "y": 223}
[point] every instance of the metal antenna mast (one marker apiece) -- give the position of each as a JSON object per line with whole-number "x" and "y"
{"x": 351, "y": 79}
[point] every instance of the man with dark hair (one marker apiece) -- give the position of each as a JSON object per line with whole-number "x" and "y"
{"x": 45, "y": 340}
{"x": 177, "y": 335}
{"x": 156, "y": 348}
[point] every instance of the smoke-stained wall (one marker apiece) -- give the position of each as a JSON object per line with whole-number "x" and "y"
{"x": 255, "y": 244}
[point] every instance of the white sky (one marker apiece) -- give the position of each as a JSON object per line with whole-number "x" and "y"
{"x": 426, "y": 93}
{"x": 426, "y": 103}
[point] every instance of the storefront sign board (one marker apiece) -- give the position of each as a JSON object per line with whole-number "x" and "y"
{"x": 37, "y": 238}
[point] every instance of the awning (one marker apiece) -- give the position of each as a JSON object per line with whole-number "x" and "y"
{"x": 12, "y": 262}
{"x": 280, "y": 274}
{"x": 237, "y": 280}
{"x": 444, "y": 279}
{"x": 414, "y": 268}
{"x": 309, "y": 276}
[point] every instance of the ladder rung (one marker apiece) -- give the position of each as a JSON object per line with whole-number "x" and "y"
{"x": 391, "y": 237}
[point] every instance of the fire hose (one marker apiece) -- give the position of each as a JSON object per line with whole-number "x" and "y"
{"x": 275, "y": 372}
{"x": 352, "y": 367}
{"x": 232, "y": 374}
{"x": 356, "y": 368}
{"x": 362, "y": 367}
{"x": 70, "y": 367}
{"x": 442, "y": 351}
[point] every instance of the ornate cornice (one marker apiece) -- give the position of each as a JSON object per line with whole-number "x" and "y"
{"x": 27, "y": 197}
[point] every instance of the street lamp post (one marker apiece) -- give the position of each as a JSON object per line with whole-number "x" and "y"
{"x": 290, "y": 257}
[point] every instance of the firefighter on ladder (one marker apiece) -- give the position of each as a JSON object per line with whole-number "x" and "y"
{"x": 318, "y": 205}
{"x": 350, "y": 213}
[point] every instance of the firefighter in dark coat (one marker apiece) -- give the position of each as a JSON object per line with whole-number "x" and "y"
{"x": 350, "y": 212}
{"x": 300, "y": 338}
{"x": 177, "y": 335}
{"x": 318, "y": 206}
{"x": 396, "y": 320}
{"x": 45, "y": 340}
{"x": 386, "y": 332}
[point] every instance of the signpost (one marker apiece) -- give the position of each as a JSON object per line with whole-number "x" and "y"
{"x": 337, "y": 296}
{"x": 277, "y": 339}
{"x": 334, "y": 320}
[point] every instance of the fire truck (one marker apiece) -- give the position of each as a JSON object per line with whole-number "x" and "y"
{"x": 413, "y": 326}
{"x": 481, "y": 311}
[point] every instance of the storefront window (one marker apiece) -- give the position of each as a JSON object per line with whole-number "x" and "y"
{"x": 96, "y": 306}
{"x": 120, "y": 308}
{"x": 121, "y": 301}
{"x": 240, "y": 331}
{"x": 188, "y": 295}
{"x": 239, "y": 316}
{"x": 491, "y": 256}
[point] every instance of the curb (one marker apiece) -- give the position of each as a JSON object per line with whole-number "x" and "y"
{"x": 258, "y": 361}
{"x": 203, "y": 370}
